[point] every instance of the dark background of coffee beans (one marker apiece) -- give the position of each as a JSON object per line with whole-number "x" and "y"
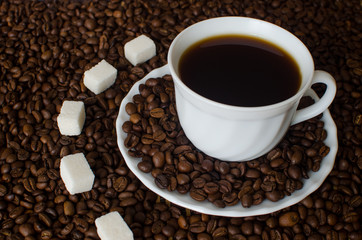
{"x": 45, "y": 47}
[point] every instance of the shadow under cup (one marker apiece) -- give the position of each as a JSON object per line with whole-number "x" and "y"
{"x": 228, "y": 132}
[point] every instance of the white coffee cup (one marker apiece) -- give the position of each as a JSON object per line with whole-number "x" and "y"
{"x": 234, "y": 133}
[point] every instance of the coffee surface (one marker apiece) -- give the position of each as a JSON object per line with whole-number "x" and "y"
{"x": 240, "y": 70}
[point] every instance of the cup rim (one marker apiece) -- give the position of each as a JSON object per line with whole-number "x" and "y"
{"x": 286, "y": 102}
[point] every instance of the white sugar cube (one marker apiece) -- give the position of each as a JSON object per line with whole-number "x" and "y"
{"x": 71, "y": 118}
{"x": 112, "y": 227}
{"x": 76, "y": 173}
{"x": 139, "y": 50}
{"x": 100, "y": 77}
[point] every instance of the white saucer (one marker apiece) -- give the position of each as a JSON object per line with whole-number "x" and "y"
{"x": 184, "y": 200}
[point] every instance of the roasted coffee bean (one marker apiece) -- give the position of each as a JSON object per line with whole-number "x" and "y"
{"x": 230, "y": 198}
{"x": 43, "y": 217}
{"x": 184, "y": 166}
{"x": 288, "y": 219}
{"x": 182, "y": 149}
{"x": 225, "y": 186}
{"x": 145, "y": 166}
{"x": 158, "y": 159}
{"x": 135, "y": 118}
{"x": 120, "y": 184}
{"x": 252, "y": 173}
{"x": 182, "y": 222}
{"x": 168, "y": 231}
{"x": 197, "y": 227}
{"x": 157, "y": 227}
{"x": 46, "y": 234}
{"x": 161, "y": 181}
{"x": 173, "y": 184}
{"x": 16, "y": 212}
{"x": 3, "y": 190}
{"x": 220, "y": 232}
{"x": 294, "y": 172}
{"x": 274, "y": 195}
{"x": 159, "y": 135}
{"x": 198, "y": 194}
{"x": 69, "y": 208}
{"x": 211, "y": 187}
{"x": 26, "y": 229}
{"x": 21, "y": 219}
{"x": 157, "y": 113}
{"x": 224, "y": 168}
{"x": 39, "y": 207}
{"x": 246, "y": 200}
{"x": 183, "y": 189}
{"x": 182, "y": 179}
{"x": 199, "y": 182}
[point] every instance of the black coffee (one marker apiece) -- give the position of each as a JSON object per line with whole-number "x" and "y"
{"x": 240, "y": 70}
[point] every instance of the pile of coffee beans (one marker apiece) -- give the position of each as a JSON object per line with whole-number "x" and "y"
{"x": 154, "y": 134}
{"x": 45, "y": 47}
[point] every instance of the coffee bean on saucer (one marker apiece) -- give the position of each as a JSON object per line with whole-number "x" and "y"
{"x": 161, "y": 181}
{"x": 145, "y": 166}
{"x": 198, "y": 194}
{"x": 199, "y": 182}
{"x": 184, "y": 166}
{"x": 182, "y": 179}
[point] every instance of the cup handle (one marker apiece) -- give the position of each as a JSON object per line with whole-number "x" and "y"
{"x": 323, "y": 103}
